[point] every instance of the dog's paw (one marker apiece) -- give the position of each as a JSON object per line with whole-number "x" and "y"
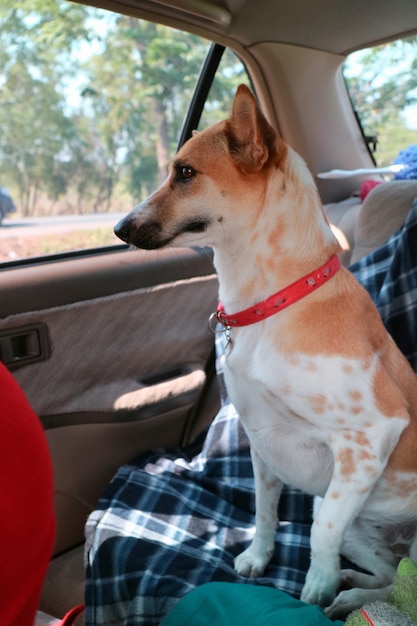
{"x": 346, "y": 602}
{"x": 320, "y": 586}
{"x": 350, "y": 599}
{"x": 252, "y": 562}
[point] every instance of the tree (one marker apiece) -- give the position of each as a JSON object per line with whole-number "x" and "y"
{"x": 32, "y": 128}
{"x": 35, "y": 129}
{"x": 382, "y": 82}
{"x": 92, "y": 102}
{"x": 144, "y": 92}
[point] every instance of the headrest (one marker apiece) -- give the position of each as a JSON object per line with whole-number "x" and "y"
{"x": 383, "y": 212}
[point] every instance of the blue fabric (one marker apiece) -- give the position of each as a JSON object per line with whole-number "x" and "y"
{"x": 407, "y": 157}
{"x": 168, "y": 523}
{"x": 175, "y": 519}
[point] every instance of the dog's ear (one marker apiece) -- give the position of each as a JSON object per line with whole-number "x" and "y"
{"x": 251, "y": 138}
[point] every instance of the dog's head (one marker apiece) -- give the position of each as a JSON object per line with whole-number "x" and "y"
{"x": 215, "y": 182}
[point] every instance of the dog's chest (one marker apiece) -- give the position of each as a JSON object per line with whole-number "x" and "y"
{"x": 297, "y": 409}
{"x": 294, "y": 448}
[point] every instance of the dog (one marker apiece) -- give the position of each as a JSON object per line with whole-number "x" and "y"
{"x": 327, "y": 400}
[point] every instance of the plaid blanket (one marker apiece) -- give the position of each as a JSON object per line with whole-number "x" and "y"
{"x": 175, "y": 519}
{"x": 390, "y": 276}
{"x": 172, "y": 520}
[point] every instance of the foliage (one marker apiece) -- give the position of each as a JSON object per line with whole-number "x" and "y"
{"x": 90, "y": 103}
{"x": 382, "y": 82}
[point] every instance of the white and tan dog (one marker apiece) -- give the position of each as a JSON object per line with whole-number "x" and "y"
{"x": 326, "y": 398}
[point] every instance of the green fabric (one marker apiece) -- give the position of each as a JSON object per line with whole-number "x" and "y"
{"x": 401, "y": 607}
{"x": 404, "y": 592}
{"x": 218, "y": 604}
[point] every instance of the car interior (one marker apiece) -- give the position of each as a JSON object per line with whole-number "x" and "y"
{"x": 112, "y": 346}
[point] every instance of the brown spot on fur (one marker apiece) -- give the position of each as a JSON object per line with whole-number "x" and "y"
{"x": 365, "y": 455}
{"x": 346, "y": 460}
{"x": 271, "y": 485}
{"x": 271, "y": 264}
{"x": 248, "y": 289}
{"x": 356, "y": 409}
{"x": 361, "y": 439}
{"x": 318, "y": 403}
{"x": 348, "y": 369}
{"x": 254, "y": 237}
{"x": 286, "y": 390}
{"x": 266, "y": 264}
{"x": 366, "y": 364}
{"x": 356, "y": 396}
{"x": 276, "y": 234}
{"x": 335, "y": 495}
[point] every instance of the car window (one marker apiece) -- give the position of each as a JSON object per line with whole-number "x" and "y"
{"x": 91, "y": 108}
{"x": 230, "y": 74}
{"x": 382, "y": 83}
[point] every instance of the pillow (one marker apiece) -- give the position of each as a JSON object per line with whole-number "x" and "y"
{"x": 383, "y": 211}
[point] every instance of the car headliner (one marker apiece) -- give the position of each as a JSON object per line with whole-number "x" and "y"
{"x": 336, "y": 26}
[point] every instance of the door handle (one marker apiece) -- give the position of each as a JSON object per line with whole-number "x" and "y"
{"x": 23, "y": 345}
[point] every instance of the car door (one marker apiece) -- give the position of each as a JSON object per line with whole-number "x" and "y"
{"x": 113, "y": 352}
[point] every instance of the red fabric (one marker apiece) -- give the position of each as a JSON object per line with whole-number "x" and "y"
{"x": 27, "y": 520}
{"x": 70, "y": 617}
{"x": 366, "y": 616}
{"x": 366, "y": 187}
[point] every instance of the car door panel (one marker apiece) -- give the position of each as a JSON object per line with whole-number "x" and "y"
{"x": 124, "y": 367}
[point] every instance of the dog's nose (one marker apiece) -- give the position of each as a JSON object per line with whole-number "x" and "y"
{"x": 122, "y": 229}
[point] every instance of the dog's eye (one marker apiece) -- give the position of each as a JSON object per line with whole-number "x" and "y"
{"x": 185, "y": 172}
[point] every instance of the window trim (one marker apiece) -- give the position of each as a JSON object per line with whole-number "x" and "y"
{"x": 201, "y": 91}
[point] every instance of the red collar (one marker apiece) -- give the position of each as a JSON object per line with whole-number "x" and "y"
{"x": 280, "y": 300}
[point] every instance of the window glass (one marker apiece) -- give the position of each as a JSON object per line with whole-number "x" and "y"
{"x": 230, "y": 74}
{"x": 91, "y": 108}
{"x": 382, "y": 82}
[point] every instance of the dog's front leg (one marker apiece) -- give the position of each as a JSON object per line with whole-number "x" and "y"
{"x": 333, "y": 517}
{"x": 253, "y": 561}
{"x": 347, "y": 492}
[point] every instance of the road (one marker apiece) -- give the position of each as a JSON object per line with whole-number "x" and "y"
{"x": 48, "y": 225}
